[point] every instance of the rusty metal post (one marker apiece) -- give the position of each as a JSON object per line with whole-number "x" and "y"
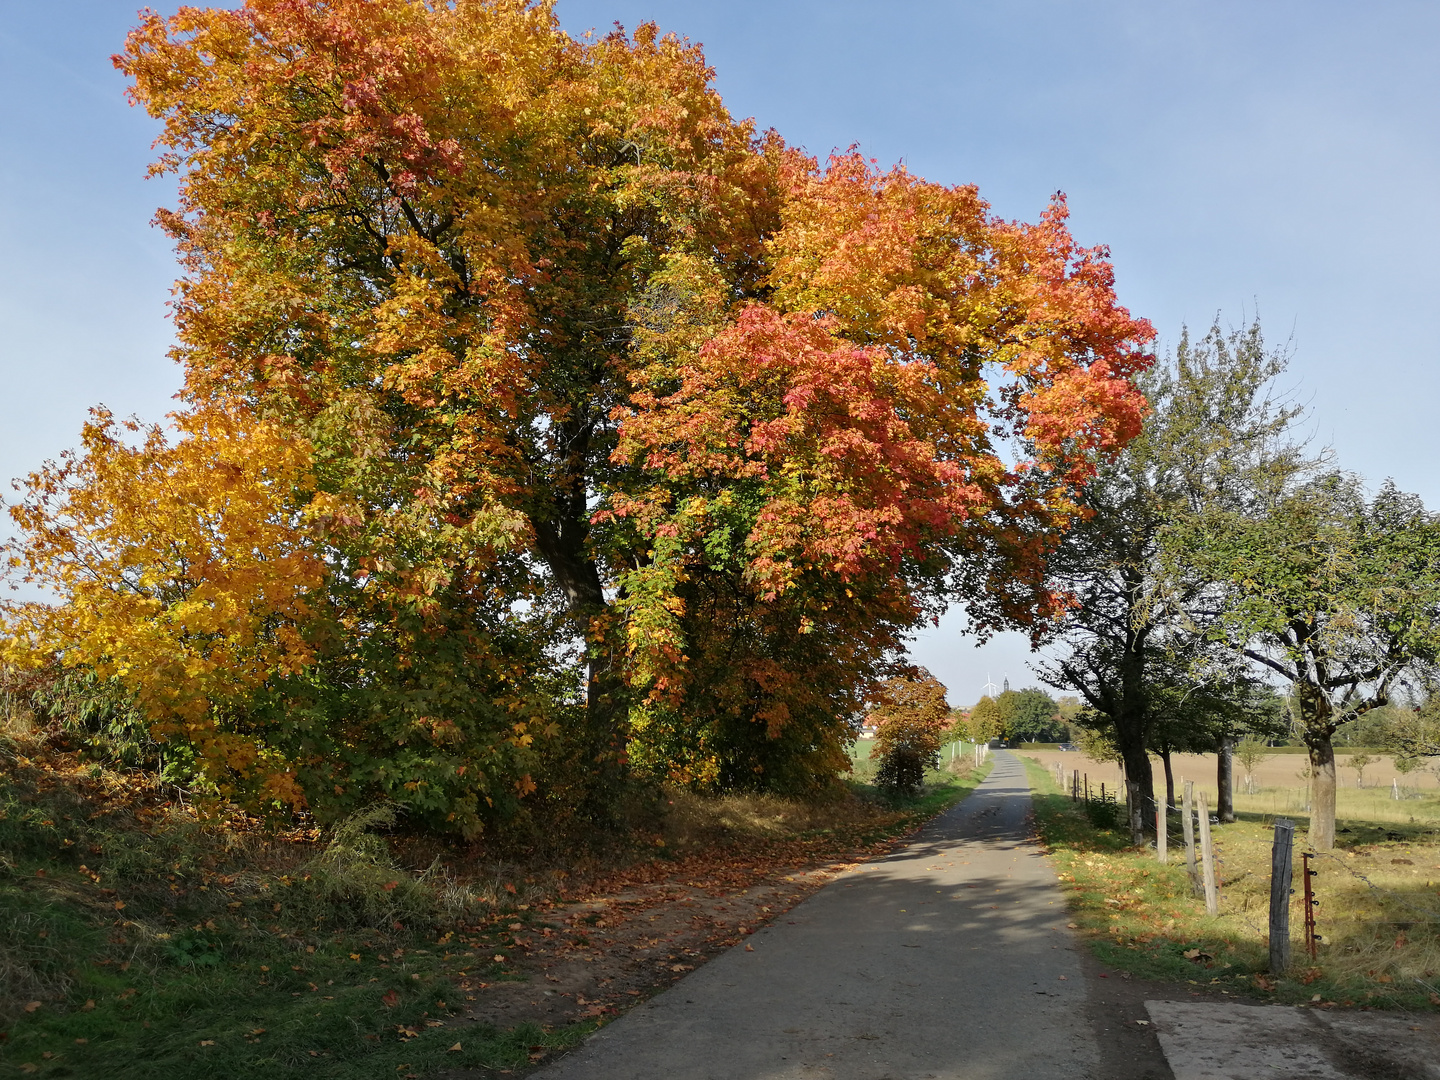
{"x": 1310, "y": 905}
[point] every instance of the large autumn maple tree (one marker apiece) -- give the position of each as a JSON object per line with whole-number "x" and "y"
{"x": 666, "y": 430}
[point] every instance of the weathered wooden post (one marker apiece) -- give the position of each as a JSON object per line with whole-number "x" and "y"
{"x": 1207, "y": 858}
{"x": 1189, "y": 827}
{"x": 1281, "y": 855}
{"x": 1162, "y": 833}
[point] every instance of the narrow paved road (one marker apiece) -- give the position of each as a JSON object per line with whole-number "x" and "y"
{"x": 948, "y": 959}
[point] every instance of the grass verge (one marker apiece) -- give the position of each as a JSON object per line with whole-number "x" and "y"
{"x": 1379, "y": 909}
{"x": 140, "y": 940}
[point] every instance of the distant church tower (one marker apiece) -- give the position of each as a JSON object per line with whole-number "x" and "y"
{"x": 1007, "y": 686}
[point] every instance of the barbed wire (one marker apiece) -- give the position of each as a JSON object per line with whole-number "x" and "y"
{"x": 1379, "y": 890}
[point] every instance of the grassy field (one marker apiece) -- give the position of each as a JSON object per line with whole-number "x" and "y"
{"x": 1379, "y": 911}
{"x": 139, "y": 939}
{"x": 1279, "y": 785}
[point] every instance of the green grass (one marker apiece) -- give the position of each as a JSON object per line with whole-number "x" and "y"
{"x": 136, "y": 941}
{"x": 943, "y": 787}
{"x": 1144, "y": 918}
{"x": 152, "y": 945}
{"x": 228, "y": 995}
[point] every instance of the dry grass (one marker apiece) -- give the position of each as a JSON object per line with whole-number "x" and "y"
{"x": 1280, "y": 786}
{"x": 1378, "y": 913}
{"x": 697, "y": 819}
{"x": 693, "y": 820}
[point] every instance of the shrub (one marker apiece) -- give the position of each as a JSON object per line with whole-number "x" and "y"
{"x": 911, "y": 716}
{"x": 902, "y": 769}
{"x": 1103, "y": 811}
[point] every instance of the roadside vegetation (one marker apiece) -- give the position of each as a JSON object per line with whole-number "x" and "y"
{"x": 141, "y": 935}
{"x": 1378, "y": 916}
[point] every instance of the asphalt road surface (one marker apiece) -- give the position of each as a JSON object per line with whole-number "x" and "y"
{"x": 950, "y": 958}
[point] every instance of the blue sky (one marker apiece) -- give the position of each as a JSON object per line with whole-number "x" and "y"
{"x": 1231, "y": 154}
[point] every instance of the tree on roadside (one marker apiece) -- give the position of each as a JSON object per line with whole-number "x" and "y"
{"x": 910, "y": 716}
{"x": 1337, "y": 594}
{"x": 1405, "y": 765}
{"x": 1029, "y": 715}
{"x": 985, "y": 721}
{"x": 1215, "y": 437}
{"x": 630, "y": 440}
{"x": 1409, "y": 732}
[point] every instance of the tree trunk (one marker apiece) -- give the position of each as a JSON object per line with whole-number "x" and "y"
{"x": 1322, "y": 790}
{"x": 1138, "y": 772}
{"x": 1169, "y": 779}
{"x": 1225, "y": 779}
{"x": 561, "y": 541}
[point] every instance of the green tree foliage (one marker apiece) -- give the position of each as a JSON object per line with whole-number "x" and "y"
{"x": 1030, "y": 715}
{"x": 1359, "y": 762}
{"x": 1251, "y": 751}
{"x": 1134, "y": 646}
{"x": 1337, "y": 594}
{"x": 985, "y": 721}
{"x": 1405, "y": 730}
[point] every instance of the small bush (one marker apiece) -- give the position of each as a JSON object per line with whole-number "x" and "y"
{"x": 354, "y": 881}
{"x": 1103, "y": 811}
{"x": 902, "y": 769}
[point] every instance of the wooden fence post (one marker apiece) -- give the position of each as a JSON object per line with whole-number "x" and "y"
{"x": 1189, "y": 827}
{"x": 1207, "y": 858}
{"x": 1280, "y": 872}
{"x": 1162, "y": 833}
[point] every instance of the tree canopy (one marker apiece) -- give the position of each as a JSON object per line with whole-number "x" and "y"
{"x": 1029, "y": 715}
{"x": 1133, "y": 643}
{"x": 910, "y": 715}
{"x": 1337, "y": 594}
{"x": 590, "y": 430}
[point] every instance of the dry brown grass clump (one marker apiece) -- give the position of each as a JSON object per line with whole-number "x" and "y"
{"x": 692, "y": 819}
